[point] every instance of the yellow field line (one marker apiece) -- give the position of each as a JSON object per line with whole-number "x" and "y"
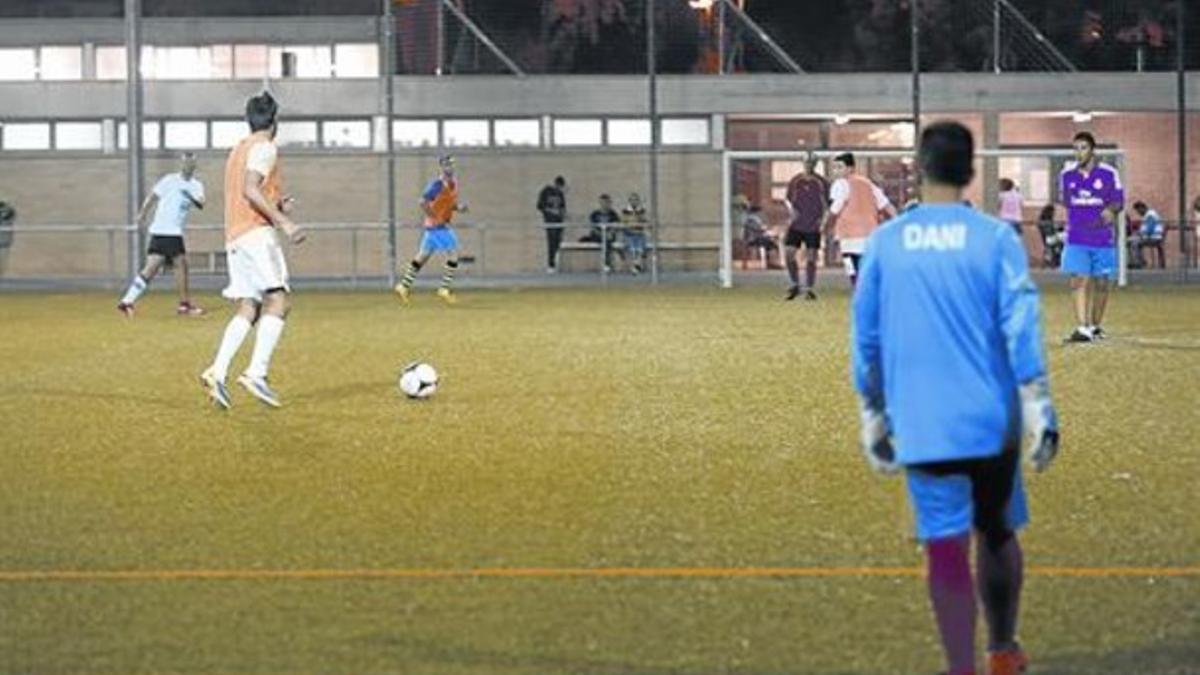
{"x": 561, "y": 573}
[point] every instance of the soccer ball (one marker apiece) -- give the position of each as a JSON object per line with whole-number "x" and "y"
{"x": 418, "y": 380}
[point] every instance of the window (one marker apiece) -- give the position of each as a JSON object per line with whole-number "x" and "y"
{"x": 466, "y": 132}
{"x": 577, "y": 132}
{"x": 186, "y": 135}
{"x": 111, "y": 63}
{"x": 356, "y": 60}
{"x": 188, "y": 63}
{"x": 415, "y": 133}
{"x": 227, "y": 133}
{"x": 26, "y": 136}
{"x": 78, "y": 136}
{"x": 346, "y": 134}
{"x": 17, "y": 64}
{"x": 304, "y": 61}
{"x": 250, "y": 62}
{"x": 150, "y": 135}
{"x": 518, "y": 132}
{"x": 685, "y": 131}
{"x": 629, "y": 132}
{"x": 62, "y": 63}
{"x": 297, "y": 134}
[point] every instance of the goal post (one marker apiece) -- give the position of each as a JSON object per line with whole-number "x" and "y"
{"x": 1034, "y": 169}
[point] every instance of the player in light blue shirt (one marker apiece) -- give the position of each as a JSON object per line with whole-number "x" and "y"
{"x": 948, "y": 360}
{"x": 172, "y": 199}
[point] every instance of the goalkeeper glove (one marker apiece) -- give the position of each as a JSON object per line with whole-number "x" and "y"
{"x": 876, "y": 441}
{"x": 1039, "y": 422}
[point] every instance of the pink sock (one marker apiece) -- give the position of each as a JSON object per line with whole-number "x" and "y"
{"x": 952, "y": 593}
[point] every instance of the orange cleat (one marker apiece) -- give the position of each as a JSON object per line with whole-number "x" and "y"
{"x": 1007, "y": 662}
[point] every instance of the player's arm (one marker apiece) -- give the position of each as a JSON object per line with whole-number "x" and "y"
{"x": 839, "y": 194}
{"x": 882, "y": 203}
{"x": 252, "y": 191}
{"x": 1114, "y": 199}
{"x": 148, "y": 206}
{"x": 198, "y": 199}
{"x": 1021, "y": 323}
{"x": 867, "y": 366}
{"x": 431, "y": 193}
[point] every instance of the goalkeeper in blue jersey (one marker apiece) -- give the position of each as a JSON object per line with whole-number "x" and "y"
{"x": 948, "y": 361}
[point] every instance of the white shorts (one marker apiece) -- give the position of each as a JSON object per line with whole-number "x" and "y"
{"x": 256, "y": 265}
{"x": 852, "y": 245}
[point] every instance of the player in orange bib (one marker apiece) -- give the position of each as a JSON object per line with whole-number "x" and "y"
{"x": 439, "y": 203}
{"x": 858, "y": 206}
{"x": 255, "y": 207}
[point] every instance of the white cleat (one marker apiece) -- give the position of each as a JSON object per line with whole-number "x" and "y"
{"x": 259, "y": 389}
{"x": 216, "y": 390}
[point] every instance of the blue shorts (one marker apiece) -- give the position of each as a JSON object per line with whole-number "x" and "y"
{"x": 1090, "y": 261}
{"x": 438, "y": 239}
{"x": 951, "y": 498}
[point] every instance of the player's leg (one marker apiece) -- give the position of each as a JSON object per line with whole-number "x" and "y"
{"x": 793, "y": 271}
{"x": 1077, "y": 265}
{"x": 812, "y": 248}
{"x": 235, "y": 334}
{"x": 404, "y": 287}
{"x": 140, "y": 283}
{"x": 447, "y": 241}
{"x": 941, "y": 498}
{"x": 449, "y": 269}
{"x": 275, "y": 308}
{"x": 1000, "y": 509}
{"x": 1104, "y": 271}
{"x": 850, "y": 262}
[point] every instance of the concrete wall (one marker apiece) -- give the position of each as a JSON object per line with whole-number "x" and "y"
{"x": 340, "y": 190}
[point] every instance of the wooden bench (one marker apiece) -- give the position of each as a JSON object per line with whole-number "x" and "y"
{"x": 593, "y": 248}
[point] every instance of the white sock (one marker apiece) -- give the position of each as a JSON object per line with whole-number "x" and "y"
{"x": 135, "y": 290}
{"x": 235, "y": 334}
{"x": 270, "y": 328}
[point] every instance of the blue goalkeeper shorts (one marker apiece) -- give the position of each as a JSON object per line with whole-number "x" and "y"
{"x": 439, "y": 239}
{"x": 950, "y": 499}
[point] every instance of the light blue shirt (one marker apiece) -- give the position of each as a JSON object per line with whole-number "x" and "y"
{"x": 946, "y": 324}
{"x": 1151, "y": 225}
{"x": 173, "y": 203}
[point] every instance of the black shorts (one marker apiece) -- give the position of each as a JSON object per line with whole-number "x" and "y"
{"x": 811, "y": 240}
{"x": 167, "y": 246}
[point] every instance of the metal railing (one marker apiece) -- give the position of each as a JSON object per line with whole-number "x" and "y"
{"x": 357, "y": 254}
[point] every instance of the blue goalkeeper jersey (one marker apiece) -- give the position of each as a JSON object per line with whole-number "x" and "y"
{"x": 946, "y": 323}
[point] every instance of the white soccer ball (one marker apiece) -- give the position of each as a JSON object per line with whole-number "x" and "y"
{"x": 418, "y": 380}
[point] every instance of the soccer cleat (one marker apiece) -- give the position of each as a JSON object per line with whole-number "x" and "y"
{"x": 126, "y": 309}
{"x": 792, "y": 293}
{"x": 404, "y": 293}
{"x": 216, "y": 390}
{"x": 188, "y": 309}
{"x": 1078, "y": 335}
{"x": 810, "y": 294}
{"x": 258, "y": 388}
{"x": 447, "y": 296}
{"x": 1007, "y": 662}
{"x": 1098, "y": 333}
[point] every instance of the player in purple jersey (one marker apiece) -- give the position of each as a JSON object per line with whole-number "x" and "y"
{"x": 1093, "y": 196}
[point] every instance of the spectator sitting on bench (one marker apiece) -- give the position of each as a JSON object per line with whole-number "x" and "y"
{"x": 605, "y": 214}
{"x": 755, "y": 233}
{"x": 1149, "y": 235}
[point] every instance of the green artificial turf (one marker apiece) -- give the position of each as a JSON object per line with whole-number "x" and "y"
{"x": 681, "y": 428}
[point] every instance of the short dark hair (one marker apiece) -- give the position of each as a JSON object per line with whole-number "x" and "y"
{"x": 605, "y": 196}
{"x": 947, "y": 154}
{"x": 559, "y": 180}
{"x": 846, "y": 158}
{"x": 261, "y": 111}
{"x": 1006, "y": 184}
{"x": 1140, "y": 206}
{"x": 1085, "y": 136}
